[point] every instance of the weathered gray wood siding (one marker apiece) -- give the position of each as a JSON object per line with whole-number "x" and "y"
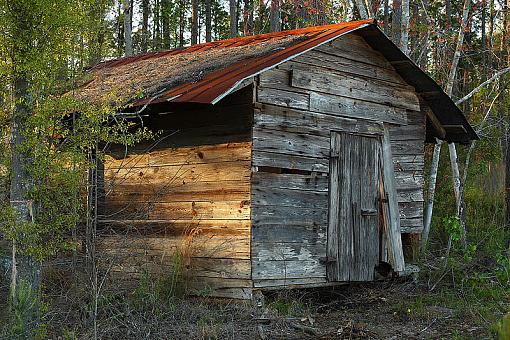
{"x": 342, "y": 86}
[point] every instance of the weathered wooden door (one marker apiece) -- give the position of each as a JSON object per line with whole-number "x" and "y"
{"x": 353, "y": 233}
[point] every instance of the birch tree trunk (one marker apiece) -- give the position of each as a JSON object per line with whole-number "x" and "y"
{"x": 451, "y": 146}
{"x": 128, "y": 25}
{"x": 26, "y": 271}
{"x": 404, "y": 38}
{"x": 363, "y": 13}
{"x": 431, "y": 193}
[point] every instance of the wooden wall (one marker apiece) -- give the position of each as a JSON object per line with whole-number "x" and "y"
{"x": 343, "y": 86}
{"x": 188, "y": 193}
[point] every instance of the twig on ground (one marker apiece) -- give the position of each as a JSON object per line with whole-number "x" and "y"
{"x": 306, "y": 329}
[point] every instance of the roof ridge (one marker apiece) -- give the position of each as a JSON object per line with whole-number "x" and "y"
{"x": 197, "y": 47}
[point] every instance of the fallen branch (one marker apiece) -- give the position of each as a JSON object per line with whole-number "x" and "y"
{"x": 306, "y": 329}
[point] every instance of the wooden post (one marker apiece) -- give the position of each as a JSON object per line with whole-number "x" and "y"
{"x": 396, "y": 254}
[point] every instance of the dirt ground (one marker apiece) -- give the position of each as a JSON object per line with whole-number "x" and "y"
{"x": 381, "y": 310}
{"x": 388, "y": 310}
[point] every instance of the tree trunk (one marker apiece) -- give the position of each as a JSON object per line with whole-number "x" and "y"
{"x": 386, "y": 17}
{"x": 165, "y": 22}
{"x": 506, "y": 42}
{"x": 431, "y": 193}
{"x": 194, "y": 22}
{"x": 208, "y": 23}
{"x": 128, "y": 24}
{"x": 26, "y": 271}
{"x": 182, "y": 21}
{"x": 448, "y": 9}
{"x": 156, "y": 34}
{"x": 120, "y": 31}
{"x": 274, "y": 16}
{"x": 396, "y": 22}
{"x": 360, "y": 5}
{"x": 261, "y": 16}
{"x": 248, "y": 17}
{"x": 453, "y": 151}
{"x": 457, "y": 185}
{"x": 404, "y": 37}
{"x": 145, "y": 26}
{"x": 484, "y": 41}
{"x": 233, "y": 18}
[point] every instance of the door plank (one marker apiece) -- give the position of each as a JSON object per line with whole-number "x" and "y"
{"x": 395, "y": 251}
{"x": 332, "y": 247}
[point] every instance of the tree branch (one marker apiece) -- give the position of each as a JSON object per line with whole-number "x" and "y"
{"x": 479, "y": 87}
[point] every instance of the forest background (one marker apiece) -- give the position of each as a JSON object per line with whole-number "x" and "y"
{"x": 46, "y": 45}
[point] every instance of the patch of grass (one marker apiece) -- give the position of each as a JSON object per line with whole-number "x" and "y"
{"x": 152, "y": 291}
{"x": 287, "y": 304}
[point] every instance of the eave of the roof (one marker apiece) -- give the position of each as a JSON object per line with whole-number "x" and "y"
{"x": 219, "y": 83}
{"x": 443, "y": 107}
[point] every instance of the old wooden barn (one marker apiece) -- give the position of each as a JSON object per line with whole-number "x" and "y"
{"x": 289, "y": 159}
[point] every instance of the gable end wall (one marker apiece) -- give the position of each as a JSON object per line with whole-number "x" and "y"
{"x": 344, "y": 86}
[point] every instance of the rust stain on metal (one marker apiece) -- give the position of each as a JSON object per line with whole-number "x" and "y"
{"x": 215, "y": 84}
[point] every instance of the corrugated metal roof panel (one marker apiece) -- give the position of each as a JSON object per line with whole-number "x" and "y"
{"x": 216, "y": 81}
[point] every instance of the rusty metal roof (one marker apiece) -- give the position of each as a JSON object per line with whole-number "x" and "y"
{"x": 219, "y": 83}
{"x": 220, "y": 79}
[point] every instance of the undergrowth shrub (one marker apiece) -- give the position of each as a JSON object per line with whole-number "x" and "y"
{"x": 24, "y": 307}
{"x": 155, "y": 290}
{"x": 475, "y": 279}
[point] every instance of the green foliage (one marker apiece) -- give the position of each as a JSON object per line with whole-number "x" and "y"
{"x": 60, "y": 155}
{"x": 503, "y": 327}
{"x": 25, "y": 307}
{"x": 287, "y": 305}
{"x": 453, "y": 227}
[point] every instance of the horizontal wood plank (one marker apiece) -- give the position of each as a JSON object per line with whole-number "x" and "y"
{"x": 283, "y": 98}
{"x": 289, "y": 197}
{"x": 288, "y": 269}
{"x": 303, "y": 233}
{"x": 340, "y": 63}
{"x": 299, "y": 121}
{"x": 222, "y": 171}
{"x": 222, "y": 210}
{"x": 266, "y": 214}
{"x": 281, "y": 160}
{"x": 290, "y": 181}
{"x": 356, "y": 108}
{"x": 317, "y": 79}
{"x": 180, "y": 192}
{"x": 278, "y": 251}
{"x": 290, "y": 143}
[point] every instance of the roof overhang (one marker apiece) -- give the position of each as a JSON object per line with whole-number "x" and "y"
{"x": 444, "y": 119}
{"x": 447, "y": 115}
